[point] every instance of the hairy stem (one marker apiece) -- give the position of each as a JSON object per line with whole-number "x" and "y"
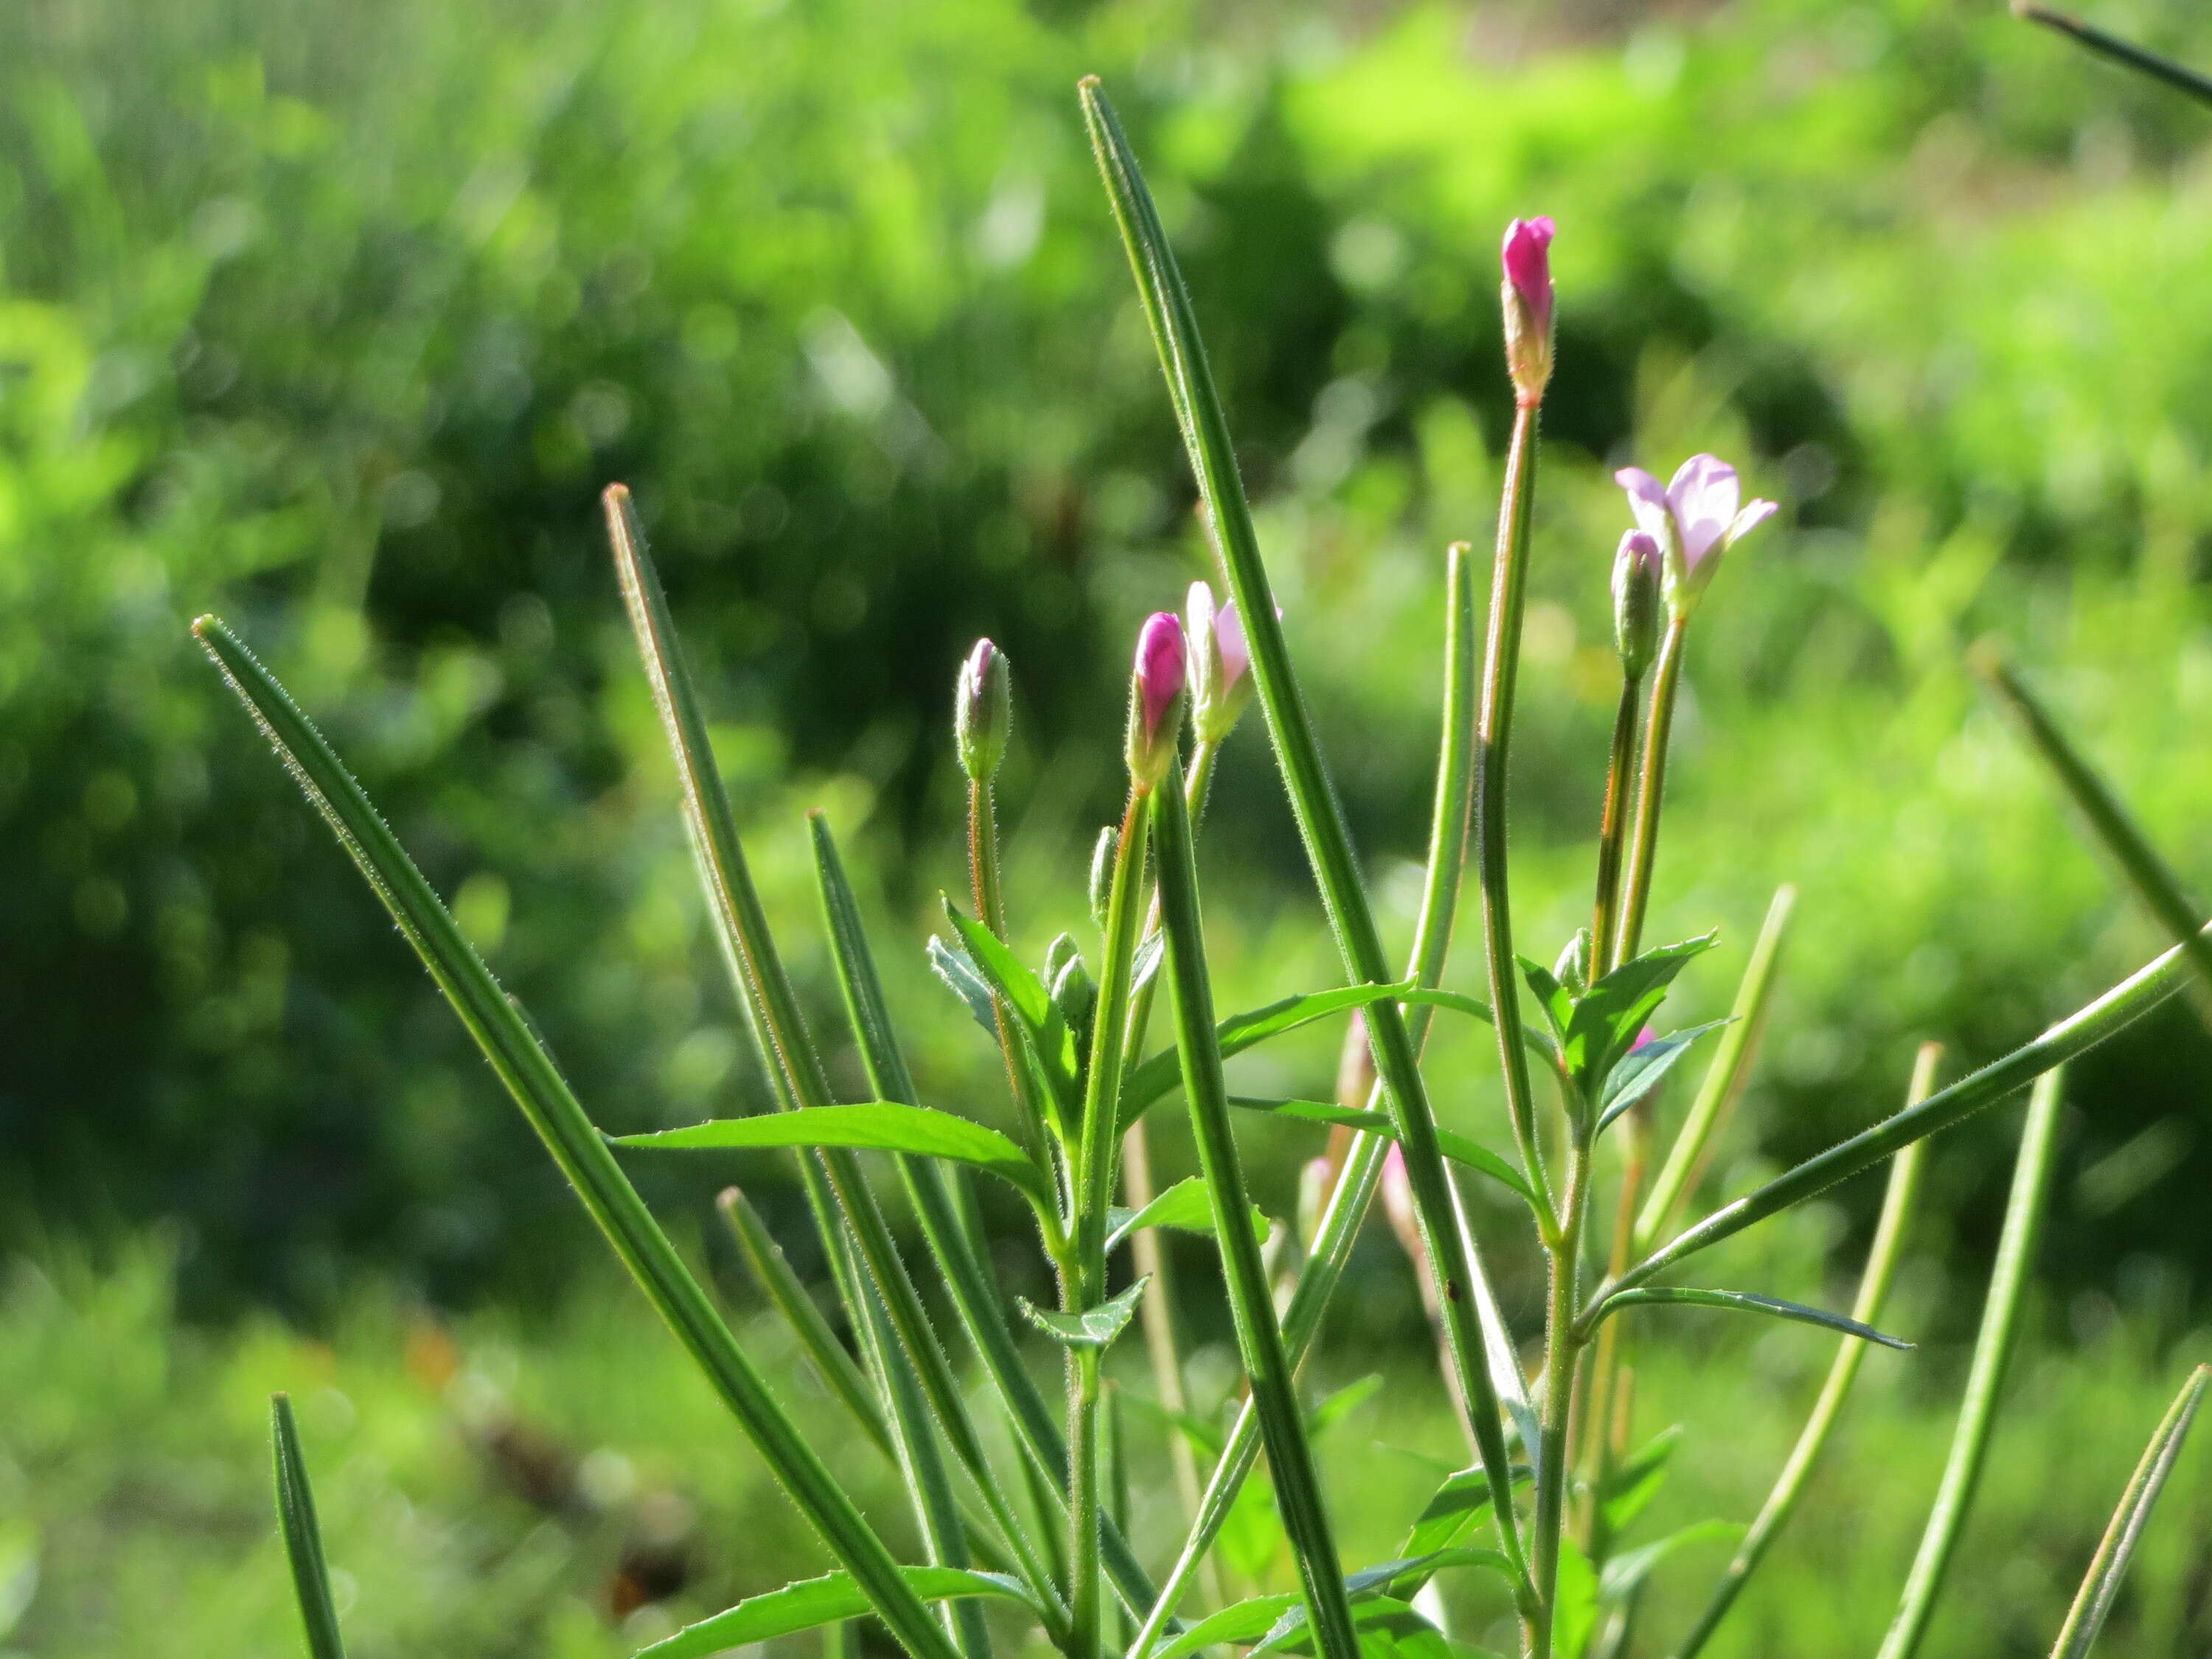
{"x": 1650, "y": 790}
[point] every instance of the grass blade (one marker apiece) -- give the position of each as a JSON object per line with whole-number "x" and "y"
{"x": 2124, "y": 52}
{"x": 2079, "y": 1032}
{"x": 2114, "y": 829}
{"x": 1314, "y": 803}
{"x": 537, "y": 1087}
{"x": 1881, "y": 1272}
{"x": 1752, "y": 1301}
{"x": 840, "y": 1372}
{"x": 303, "y": 1538}
{"x": 2094, "y": 1602}
{"x": 1259, "y": 1336}
{"x": 741, "y": 925}
{"x": 1993, "y": 1346}
{"x": 1724, "y": 1078}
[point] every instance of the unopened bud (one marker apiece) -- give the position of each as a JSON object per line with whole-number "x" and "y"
{"x": 1220, "y": 664}
{"x": 1156, "y": 699}
{"x": 1073, "y": 991}
{"x": 1573, "y": 969}
{"x": 1637, "y": 568}
{"x": 983, "y": 711}
{"x": 1527, "y": 298}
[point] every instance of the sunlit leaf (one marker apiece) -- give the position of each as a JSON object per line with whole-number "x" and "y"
{"x": 813, "y": 1603}
{"x": 1750, "y": 1302}
{"x": 1641, "y": 1070}
{"x": 1185, "y": 1207}
{"x": 1093, "y": 1328}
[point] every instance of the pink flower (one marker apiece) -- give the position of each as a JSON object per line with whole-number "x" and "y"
{"x": 1694, "y": 520}
{"x": 1527, "y": 305}
{"x": 1528, "y": 258}
{"x": 1155, "y": 694}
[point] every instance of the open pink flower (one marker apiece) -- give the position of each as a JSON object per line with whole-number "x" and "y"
{"x": 1220, "y": 662}
{"x": 1694, "y": 520}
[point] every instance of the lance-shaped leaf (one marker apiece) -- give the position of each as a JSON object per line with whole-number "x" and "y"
{"x": 1043, "y": 1027}
{"x": 537, "y": 1087}
{"x": 1625, "y": 1572}
{"x": 303, "y": 1538}
{"x": 1641, "y": 1070}
{"x": 951, "y": 965}
{"x": 1454, "y": 1510}
{"x": 1750, "y": 1302}
{"x": 885, "y": 1126}
{"x": 1629, "y": 1488}
{"x": 1093, "y": 1328}
{"x": 2092, "y": 1602}
{"x": 813, "y": 1603}
{"x": 1185, "y": 1207}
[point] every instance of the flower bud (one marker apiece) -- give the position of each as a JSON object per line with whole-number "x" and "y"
{"x": 1527, "y": 298}
{"x": 1102, "y": 871}
{"x": 1074, "y": 992}
{"x": 1573, "y": 969}
{"x": 1398, "y": 1205}
{"x": 1156, "y": 699}
{"x": 1636, "y": 575}
{"x": 983, "y": 711}
{"x": 1220, "y": 664}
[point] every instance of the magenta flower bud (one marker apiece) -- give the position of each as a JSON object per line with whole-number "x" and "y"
{"x": 1398, "y": 1205}
{"x": 1220, "y": 664}
{"x": 1637, "y": 568}
{"x": 1695, "y": 519}
{"x": 1527, "y": 298}
{"x": 1156, "y": 699}
{"x": 983, "y": 711}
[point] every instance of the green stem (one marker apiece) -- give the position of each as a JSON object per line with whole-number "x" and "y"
{"x": 1562, "y": 1347}
{"x": 1083, "y": 1509}
{"x": 303, "y": 1537}
{"x": 991, "y": 910}
{"x": 1449, "y": 831}
{"x": 1650, "y": 790}
{"x": 1993, "y": 1346}
{"x": 537, "y": 1086}
{"x": 1493, "y": 736}
{"x": 1724, "y": 1078}
{"x": 1850, "y": 1353}
{"x": 1259, "y": 1338}
{"x": 2125, "y": 52}
{"x": 1605, "y": 918}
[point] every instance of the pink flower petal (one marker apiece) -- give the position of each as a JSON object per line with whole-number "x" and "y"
{"x": 1159, "y": 667}
{"x": 1704, "y": 495}
{"x": 1654, "y": 517}
{"x": 1229, "y": 639}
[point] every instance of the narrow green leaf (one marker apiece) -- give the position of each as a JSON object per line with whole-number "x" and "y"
{"x": 1329, "y": 1412}
{"x": 1641, "y": 1070}
{"x": 537, "y": 1086}
{"x": 1185, "y": 1207}
{"x": 886, "y": 1125}
{"x": 1452, "y": 1512}
{"x": 2124, "y": 52}
{"x": 303, "y": 1538}
{"x": 1157, "y": 1075}
{"x": 1609, "y": 1017}
{"x": 1993, "y": 1346}
{"x": 1239, "y": 1624}
{"x": 951, "y": 965}
{"x": 813, "y": 1603}
{"x": 1382, "y": 1597}
{"x": 1557, "y": 1001}
{"x": 2092, "y": 1602}
{"x": 1457, "y": 1147}
{"x": 1575, "y": 1604}
{"x": 1094, "y": 1328}
{"x": 1625, "y": 1572}
{"x": 1637, "y": 1479}
{"x": 1043, "y": 1028}
{"x": 2154, "y": 883}
{"x": 1750, "y": 1302}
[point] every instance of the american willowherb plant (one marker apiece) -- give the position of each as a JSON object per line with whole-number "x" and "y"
{"x": 1556, "y": 1477}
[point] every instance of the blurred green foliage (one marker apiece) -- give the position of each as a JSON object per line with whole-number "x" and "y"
{"x": 336, "y": 320}
{"x": 498, "y": 1486}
